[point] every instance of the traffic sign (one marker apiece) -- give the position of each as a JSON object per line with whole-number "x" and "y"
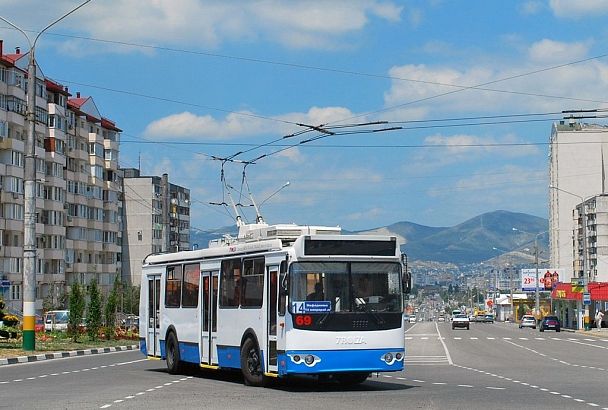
{"x": 5, "y": 283}
{"x": 586, "y": 298}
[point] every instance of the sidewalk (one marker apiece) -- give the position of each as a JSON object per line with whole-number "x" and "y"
{"x": 60, "y": 355}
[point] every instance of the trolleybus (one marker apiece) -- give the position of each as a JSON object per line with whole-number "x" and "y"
{"x": 277, "y": 301}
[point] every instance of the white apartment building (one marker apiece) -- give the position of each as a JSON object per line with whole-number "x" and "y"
{"x": 595, "y": 237}
{"x": 577, "y": 171}
{"x": 156, "y": 218}
{"x": 77, "y": 212}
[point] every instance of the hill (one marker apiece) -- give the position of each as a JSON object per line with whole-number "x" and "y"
{"x": 478, "y": 239}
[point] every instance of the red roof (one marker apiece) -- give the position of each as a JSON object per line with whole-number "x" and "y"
{"x": 55, "y": 87}
{"x": 77, "y": 102}
{"x": 598, "y": 291}
{"x": 109, "y": 125}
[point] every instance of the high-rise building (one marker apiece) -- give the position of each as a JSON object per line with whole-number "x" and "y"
{"x": 78, "y": 227}
{"x": 156, "y": 219}
{"x": 577, "y": 171}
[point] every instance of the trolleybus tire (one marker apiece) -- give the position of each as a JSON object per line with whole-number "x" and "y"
{"x": 251, "y": 364}
{"x": 350, "y": 379}
{"x": 174, "y": 364}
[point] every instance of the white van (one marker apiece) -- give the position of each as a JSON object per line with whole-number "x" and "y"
{"x": 56, "y": 320}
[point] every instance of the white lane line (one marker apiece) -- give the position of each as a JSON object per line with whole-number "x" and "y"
{"x": 447, "y": 353}
{"x": 465, "y": 385}
{"x": 495, "y": 388}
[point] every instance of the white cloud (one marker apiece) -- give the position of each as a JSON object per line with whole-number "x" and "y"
{"x": 436, "y": 90}
{"x": 196, "y": 23}
{"x": 366, "y": 215}
{"x": 578, "y": 8}
{"x": 531, "y": 7}
{"x": 239, "y": 124}
{"x": 547, "y": 51}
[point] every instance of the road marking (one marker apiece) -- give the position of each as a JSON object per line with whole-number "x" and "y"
{"x": 445, "y": 348}
{"x": 495, "y": 388}
{"x": 465, "y": 385}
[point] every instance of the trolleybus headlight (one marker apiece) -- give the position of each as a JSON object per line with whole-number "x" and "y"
{"x": 388, "y": 358}
{"x": 309, "y": 359}
{"x": 296, "y": 358}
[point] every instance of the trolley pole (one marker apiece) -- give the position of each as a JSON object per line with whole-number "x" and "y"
{"x": 29, "y": 198}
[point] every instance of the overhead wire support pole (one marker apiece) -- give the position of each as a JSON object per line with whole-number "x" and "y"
{"x": 29, "y": 198}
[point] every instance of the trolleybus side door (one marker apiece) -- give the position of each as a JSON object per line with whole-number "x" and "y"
{"x": 153, "y": 316}
{"x": 276, "y": 323}
{"x": 208, "y": 344}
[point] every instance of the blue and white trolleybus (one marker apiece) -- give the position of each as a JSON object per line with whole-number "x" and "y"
{"x": 276, "y": 301}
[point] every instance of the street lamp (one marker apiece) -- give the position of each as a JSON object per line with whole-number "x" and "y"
{"x": 536, "y": 290}
{"x": 584, "y": 239}
{"x": 29, "y": 197}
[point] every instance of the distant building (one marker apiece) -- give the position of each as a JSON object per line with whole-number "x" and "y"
{"x": 578, "y": 167}
{"x": 156, "y": 219}
{"x": 596, "y": 237}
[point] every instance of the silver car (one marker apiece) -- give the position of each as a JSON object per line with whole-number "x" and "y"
{"x": 528, "y": 321}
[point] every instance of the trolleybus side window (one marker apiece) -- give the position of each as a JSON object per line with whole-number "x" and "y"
{"x": 283, "y": 288}
{"x": 252, "y": 282}
{"x": 192, "y": 275}
{"x": 173, "y": 286}
{"x": 230, "y": 283}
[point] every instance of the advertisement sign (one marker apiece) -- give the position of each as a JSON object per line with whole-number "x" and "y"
{"x": 547, "y": 278}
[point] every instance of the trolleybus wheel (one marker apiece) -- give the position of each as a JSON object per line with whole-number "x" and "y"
{"x": 173, "y": 359}
{"x": 251, "y": 364}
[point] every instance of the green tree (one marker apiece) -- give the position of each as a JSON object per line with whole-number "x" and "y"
{"x": 77, "y": 305}
{"x": 94, "y": 310}
{"x": 110, "y": 309}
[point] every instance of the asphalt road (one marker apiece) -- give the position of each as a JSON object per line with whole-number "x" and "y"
{"x": 490, "y": 366}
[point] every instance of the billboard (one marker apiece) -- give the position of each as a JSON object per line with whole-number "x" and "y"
{"x": 547, "y": 278}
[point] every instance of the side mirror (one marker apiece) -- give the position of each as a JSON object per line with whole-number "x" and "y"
{"x": 407, "y": 283}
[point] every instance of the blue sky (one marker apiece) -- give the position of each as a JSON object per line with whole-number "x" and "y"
{"x": 187, "y": 80}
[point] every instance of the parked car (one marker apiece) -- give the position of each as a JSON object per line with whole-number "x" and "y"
{"x": 460, "y": 320}
{"x": 550, "y": 323}
{"x": 412, "y": 319}
{"x": 527, "y": 321}
{"x": 488, "y": 318}
{"x": 480, "y": 318}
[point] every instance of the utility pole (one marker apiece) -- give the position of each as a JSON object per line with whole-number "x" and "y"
{"x": 29, "y": 198}
{"x": 536, "y": 293}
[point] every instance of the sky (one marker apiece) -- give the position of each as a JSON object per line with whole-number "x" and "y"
{"x": 462, "y": 96}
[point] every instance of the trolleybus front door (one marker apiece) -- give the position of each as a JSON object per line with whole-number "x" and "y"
{"x": 153, "y": 334}
{"x": 273, "y": 322}
{"x": 209, "y": 318}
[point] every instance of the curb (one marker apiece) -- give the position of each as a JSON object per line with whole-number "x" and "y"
{"x": 61, "y": 355}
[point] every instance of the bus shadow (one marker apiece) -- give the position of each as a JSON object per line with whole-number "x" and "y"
{"x": 293, "y": 384}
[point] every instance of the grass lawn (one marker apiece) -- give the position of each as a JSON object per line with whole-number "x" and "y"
{"x": 58, "y": 342}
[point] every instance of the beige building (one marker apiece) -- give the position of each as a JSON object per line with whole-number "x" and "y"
{"x": 577, "y": 171}
{"x": 156, "y": 218}
{"x": 595, "y": 237}
{"x": 78, "y": 227}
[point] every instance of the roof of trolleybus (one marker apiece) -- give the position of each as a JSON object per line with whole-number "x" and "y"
{"x": 314, "y": 241}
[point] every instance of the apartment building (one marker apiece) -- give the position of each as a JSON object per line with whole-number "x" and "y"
{"x": 78, "y": 225}
{"x": 156, "y": 217}
{"x": 578, "y": 161}
{"x": 592, "y": 241}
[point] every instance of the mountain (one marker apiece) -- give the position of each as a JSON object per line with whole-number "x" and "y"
{"x": 478, "y": 239}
